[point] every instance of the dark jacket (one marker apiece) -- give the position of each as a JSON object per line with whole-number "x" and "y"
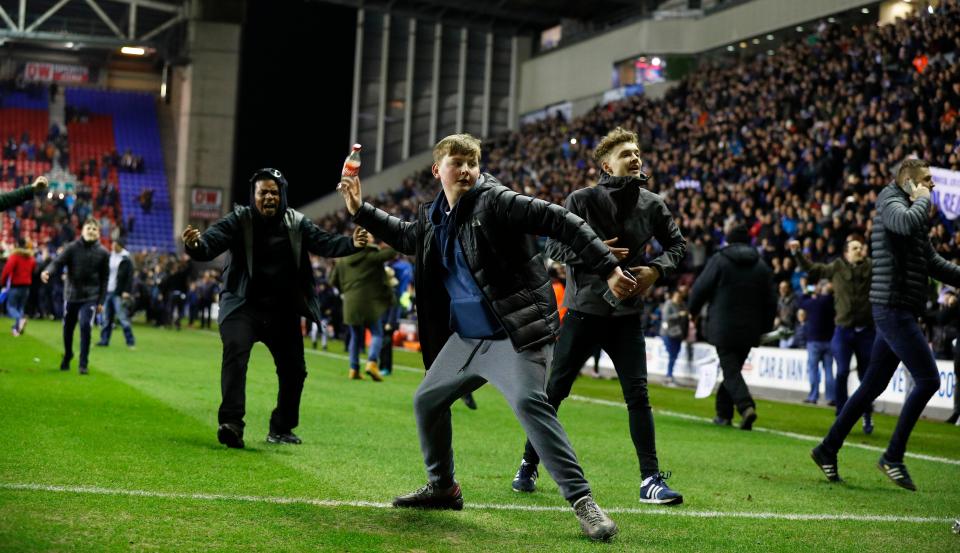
{"x": 15, "y": 198}
{"x": 234, "y": 232}
{"x": 738, "y": 285}
{"x": 819, "y": 324}
{"x": 903, "y": 258}
{"x": 88, "y": 269}
{"x": 851, "y": 287}
{"x": 125, "y": 275}
{"x": 492, "y": 224}
{"x": 362, "y": 282}
{"x": 617, "y": 208}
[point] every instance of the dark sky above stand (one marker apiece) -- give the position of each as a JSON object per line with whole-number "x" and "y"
{"x": 295, "y": 89}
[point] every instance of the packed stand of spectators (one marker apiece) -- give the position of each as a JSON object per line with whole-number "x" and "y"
{"x": 795, "y": 145}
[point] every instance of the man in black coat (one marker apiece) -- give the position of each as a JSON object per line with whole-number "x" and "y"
{"x": 738, "y": 285}
{"x": 88, "y": 269}
{"x": 627, "y": 217}
{"x": 903, "y": 262}
{"x": 487, "y": 313}
{"x": 268, "y": 286}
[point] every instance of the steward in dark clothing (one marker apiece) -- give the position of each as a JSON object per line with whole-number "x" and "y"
{"x": 268, "y": 286}
{"x": 903, "y": 261}
{"x": 626, "y": 216}
{"x": 738, "y": 285}
{"x": 88, "y": 270}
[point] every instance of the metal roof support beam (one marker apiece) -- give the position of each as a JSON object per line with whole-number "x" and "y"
{"x": 435, "y": 84}
{"x": 56, "y": 7}
{"x": 23, "y": 14}
{"x": 408, "y": 88}
{"x": 382, "y": 93}
{"x": 462, "y": 80}
{"x": 132, "y": 22}
{"x": 357, "y": 70}
{"x": 113, "y": 27}
{"x": 6, "y": 18}
{"x": 164, "y": 27}
{"x": 487, "y": 81}
{"x": 153, "y": 5}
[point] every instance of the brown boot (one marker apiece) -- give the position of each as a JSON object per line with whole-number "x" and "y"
{"x": 355, "y": 375}
{"x": 374, "y": 371}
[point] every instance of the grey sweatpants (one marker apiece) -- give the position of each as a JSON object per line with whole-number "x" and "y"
{"x": 464, "y": 365}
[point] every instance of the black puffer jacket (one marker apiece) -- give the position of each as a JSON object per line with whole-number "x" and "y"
{"x": 492, "y": 225}
{"x": 738, "y": 285}
{"x": 88, "y": 269}
{"x": 618, "y": 208}
{"x": 903, "y": 259}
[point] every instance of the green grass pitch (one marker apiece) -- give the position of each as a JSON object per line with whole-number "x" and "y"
{"x": 126, "y": 459}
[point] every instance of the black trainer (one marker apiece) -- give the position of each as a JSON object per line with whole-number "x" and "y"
{"x": 526, "y": 478}
{"x": 230, "y": 435}
{"x": 826, "y": 462}
{"x": 284, "y": 438}
{"x": 432, "y": 497}
{"x": 748, "y": 417}
{"x": 65, "y": 363}
{"x": 721, "y": 421}
{"x": 897, "y": 472}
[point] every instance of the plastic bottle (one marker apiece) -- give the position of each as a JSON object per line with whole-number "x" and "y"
{"x": 351, "y": 166}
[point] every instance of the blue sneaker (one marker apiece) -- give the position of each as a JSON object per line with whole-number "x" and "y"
{"x": 654, "y": 489}
{"x": 526, "y": 478}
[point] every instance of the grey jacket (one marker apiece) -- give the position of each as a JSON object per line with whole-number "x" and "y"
{"x": 903, "y": 258}
{"x": 618, "y": 207}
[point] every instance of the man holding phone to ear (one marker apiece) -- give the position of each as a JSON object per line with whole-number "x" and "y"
{"x": 903, "y": 262}
{"x": 626, "y": 216}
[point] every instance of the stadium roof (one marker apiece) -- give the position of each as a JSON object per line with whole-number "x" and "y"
{"x": 520, "y": 15}
{"x": 90, "y": 23}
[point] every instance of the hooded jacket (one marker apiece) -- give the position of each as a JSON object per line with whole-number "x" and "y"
{"x": 19, "y": 268}
{"x": 738, "y": 285}
{"x": 618, "y": 207}
{"x": 234, "y": 233}
{"x": 493, "y": 224}
{"x": 362, "y": 283}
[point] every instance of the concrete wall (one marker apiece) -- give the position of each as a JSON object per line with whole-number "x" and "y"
{"x": 582, "y": 70}
{"x": 204, "y": 106}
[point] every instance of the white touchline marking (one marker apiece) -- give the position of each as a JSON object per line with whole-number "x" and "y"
{"x": 674, "y": 414}
{"x": 679, "y": 512}
{"x": 804, "y": 437}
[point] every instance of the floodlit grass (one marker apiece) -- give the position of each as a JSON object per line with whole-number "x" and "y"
{"x": 145, "y": 420}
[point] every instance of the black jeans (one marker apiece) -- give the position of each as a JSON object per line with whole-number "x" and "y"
{"x": 622, "y": 339}
{"x": 899, "y": 338}
{"x": 733, "y": 391}
{"x": 280, "y": 332}
{"x": 85, "y": 312}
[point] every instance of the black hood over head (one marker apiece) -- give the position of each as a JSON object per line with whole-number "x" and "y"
{"x": 274, "y": 175}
